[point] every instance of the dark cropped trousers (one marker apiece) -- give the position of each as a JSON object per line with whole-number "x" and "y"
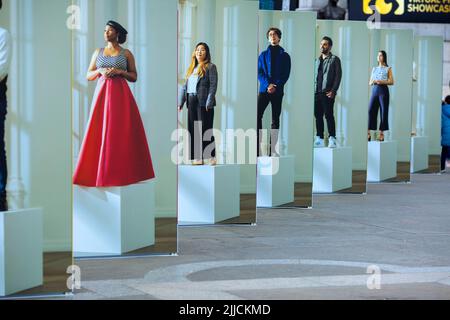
{"x": 379, "y": 100}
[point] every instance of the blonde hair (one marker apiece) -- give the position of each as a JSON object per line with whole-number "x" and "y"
{"x": 194, "y": 63}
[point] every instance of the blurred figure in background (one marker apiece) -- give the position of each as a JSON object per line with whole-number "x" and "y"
{"x": 445, "y": 133}
{"x": 5, "y": 59}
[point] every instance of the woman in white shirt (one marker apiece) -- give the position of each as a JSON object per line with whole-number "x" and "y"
{"x": 381, "y": 78}
{"x": 199, "y": 92}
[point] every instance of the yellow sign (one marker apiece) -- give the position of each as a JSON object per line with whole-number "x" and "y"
{"x": 383, "y": 7}
{"x": 434, "y": 11}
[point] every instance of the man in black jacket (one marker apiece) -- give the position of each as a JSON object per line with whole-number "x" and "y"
{"x": 5, "y": 58}
{"x": 328, "y": 80}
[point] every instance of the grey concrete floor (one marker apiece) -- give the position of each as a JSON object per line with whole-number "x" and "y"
{"x": 393, "y": 243}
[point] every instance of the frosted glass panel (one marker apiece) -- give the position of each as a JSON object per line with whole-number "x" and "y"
{"x": 229, "y": 28}
{"x": 351, "y": 44}
{"x": 143, "y": 216}
{"x": 38, "y": 140}
{"x": 399, "y": 46}
{"x": 296, "y": 123}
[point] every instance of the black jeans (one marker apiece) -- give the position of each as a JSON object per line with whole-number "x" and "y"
{"x": 445, "y": 154}
{"x": 201, "y": 123}
{"x": 379, "y": 99}
{"x": 3, "y": 164}
{"x": 324, "y": 106}
{"x": 276, "y": 101}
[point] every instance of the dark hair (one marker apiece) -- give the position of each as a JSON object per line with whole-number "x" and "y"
{"x": 121, "y": 31}
{"x": 122, "y": 38}
{"x": 385, "y": 60}
{"x": 277, "y": 31}
{"x": 447, "y": 100}
{"x": 1, "y": 4}
{"x": 208, "y": 51}
{"x": 330, "y": 41}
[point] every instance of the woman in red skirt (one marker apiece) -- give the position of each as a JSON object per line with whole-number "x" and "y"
{"x": 115, "y": 151}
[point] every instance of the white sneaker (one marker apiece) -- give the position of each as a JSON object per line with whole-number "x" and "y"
{"x": 332, "y": 143}
{"x": 319, "y": 143}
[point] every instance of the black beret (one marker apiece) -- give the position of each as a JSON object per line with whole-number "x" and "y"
{"x": 118, "y": 27}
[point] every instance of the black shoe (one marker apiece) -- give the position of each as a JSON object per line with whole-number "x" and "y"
{"x": 3, "y": 202}
{"x": 3, "y": 205}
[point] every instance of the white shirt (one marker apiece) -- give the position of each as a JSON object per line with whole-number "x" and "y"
{"x": 5, "y": 53}
{"x": 192, "y": 82}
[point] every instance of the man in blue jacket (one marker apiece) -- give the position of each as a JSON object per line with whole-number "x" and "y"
{"x": 445, "y": 133}
{"x": 274, "y": 69}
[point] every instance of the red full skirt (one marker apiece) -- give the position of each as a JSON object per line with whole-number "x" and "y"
{"x": 115, "y": 151}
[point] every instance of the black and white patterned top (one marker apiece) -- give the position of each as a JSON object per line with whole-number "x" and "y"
{"x": 117, "y": 62}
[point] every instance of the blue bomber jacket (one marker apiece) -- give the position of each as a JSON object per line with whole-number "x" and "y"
{"x": 280, "y": 76}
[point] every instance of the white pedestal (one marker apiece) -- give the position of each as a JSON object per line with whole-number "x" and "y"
{"x": 419, "y": 152}
{"x": 113, "y": 220}
{"x": 332, "y": 169}
{"x": 21, "y": 250}
{"x": 382, "y": 161}
{"x": 208, "y": 195}
{"x": 275, "y": 185}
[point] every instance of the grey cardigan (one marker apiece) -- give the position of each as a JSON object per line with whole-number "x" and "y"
{"x": 206, "y": 89}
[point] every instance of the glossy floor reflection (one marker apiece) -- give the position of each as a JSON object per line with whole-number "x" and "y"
{"x": 321, "y": 253}
{"x": 165, "y": 242}
{"x": 55, "y": 275}
{"x": 359, "y": 183}
{"x": 248, "y": 211}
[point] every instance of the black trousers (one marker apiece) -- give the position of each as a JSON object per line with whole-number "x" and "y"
{"x": 445, "y": 154}
{"x": 3, "y": 164}
{"x": 379, "y": 99}
{"x": 276, "y": 101}
{"x": 202, "y": 142}
{"x": 324, "y": 106}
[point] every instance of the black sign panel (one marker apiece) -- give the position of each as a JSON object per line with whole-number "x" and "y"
{"x": 429, "y": 11}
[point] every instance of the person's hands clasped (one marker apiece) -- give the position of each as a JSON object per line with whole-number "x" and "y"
{"x": 272, "y": 89}
{"x": 331, "y": 95}
{"x": 112, "y": 72}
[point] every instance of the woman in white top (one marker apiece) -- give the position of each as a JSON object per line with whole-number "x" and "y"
{"x": 199, "y": 92}
{"x": 381, "y": 78}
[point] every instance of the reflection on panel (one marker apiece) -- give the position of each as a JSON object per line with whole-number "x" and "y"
{"x": 389, "y": 160}
{"x": 286, "y": 152}
{"x": 341, "y": 100}
{"x": 217, "y": 177}
{"x": 124, "y": 177}
{"x": 426, "y": 148}
{"x": 35, "y": 234}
